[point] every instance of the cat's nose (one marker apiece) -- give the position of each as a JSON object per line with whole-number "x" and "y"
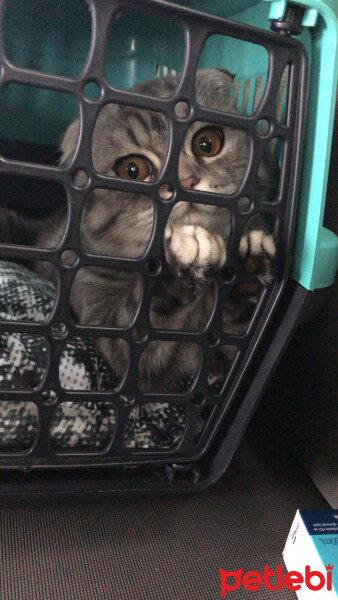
{"x": 189, "y": 182}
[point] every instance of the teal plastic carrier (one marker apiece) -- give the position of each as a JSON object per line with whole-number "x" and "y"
{"x": 146, "y": 49}
{"x": 60, "y": 59}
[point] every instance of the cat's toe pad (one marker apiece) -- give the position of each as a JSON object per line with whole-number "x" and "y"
{"x": 193, "y": 248}
{"x": 257, "y": 249}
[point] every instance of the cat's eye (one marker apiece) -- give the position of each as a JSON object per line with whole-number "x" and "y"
{"x": 207, "y": 142}
{"x": 134, "y": 167}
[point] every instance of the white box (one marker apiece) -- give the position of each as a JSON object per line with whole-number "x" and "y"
{"x": 312, "y": 546}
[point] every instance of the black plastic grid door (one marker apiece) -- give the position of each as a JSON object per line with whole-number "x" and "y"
{"x": 197, "y": 27}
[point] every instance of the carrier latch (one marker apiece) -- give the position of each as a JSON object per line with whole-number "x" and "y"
{"x": 176, "y": 470}
{"x": 291, "y": 23}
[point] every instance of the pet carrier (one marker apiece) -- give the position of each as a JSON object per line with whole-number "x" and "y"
{"x": 65, "y": 59}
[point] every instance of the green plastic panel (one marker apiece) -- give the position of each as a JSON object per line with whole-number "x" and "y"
{"x": 316, "y": 248}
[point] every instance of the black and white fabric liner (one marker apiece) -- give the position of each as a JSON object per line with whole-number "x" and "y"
{"x": 26, "y": 296}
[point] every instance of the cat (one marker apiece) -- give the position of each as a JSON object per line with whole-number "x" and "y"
{"x": 132, "y": 143}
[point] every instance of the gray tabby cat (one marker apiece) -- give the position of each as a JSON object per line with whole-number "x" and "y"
{"x": 133, "y": 143}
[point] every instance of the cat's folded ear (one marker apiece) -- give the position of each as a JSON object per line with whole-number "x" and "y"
{"x": 213, "y": 88}
{"x": 69, "y": 142}
{"x": 227, "y": 76}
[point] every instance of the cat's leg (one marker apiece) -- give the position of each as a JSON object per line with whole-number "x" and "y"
{"x": 258, "y": 250}
{"x": 192, "y": 249}
{"x": 46, "y": 232}
{"x": 15, "y": 229}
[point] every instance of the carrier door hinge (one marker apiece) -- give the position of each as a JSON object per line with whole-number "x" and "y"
{"x": 291, "y": 24}
{"x": 182, "y": 471}
{"x": 289, "y": 19}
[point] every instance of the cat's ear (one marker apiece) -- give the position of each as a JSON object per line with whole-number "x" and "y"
{"x": 69, "y": 142}
{"x": 227, "y": 76}
{"x": 213, "y": 88}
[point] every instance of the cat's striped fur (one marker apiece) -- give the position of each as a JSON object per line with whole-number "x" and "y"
{"x": 120, "y": 224}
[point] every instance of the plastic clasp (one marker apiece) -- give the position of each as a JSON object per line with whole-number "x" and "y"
{"x": 174, "y": 470}
{"x": 278, "y": 10}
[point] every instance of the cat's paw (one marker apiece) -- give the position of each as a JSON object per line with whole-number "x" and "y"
{"x": 5, "y": 226}
{"x": 257, "y": 249}
{"x": 191, "y": 249}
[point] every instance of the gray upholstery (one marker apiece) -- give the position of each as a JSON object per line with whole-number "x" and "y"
{"x": 304, "y": 392}
{"x": 160, "y": 548}
{"x": 304, "y": 398}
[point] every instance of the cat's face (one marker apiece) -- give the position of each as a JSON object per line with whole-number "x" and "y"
{"x": 133, "y": 144}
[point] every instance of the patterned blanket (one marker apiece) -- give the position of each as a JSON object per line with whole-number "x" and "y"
{"x": 25, "y": 296}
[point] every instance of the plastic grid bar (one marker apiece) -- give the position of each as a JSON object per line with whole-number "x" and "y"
{"x": 197, "y": 28}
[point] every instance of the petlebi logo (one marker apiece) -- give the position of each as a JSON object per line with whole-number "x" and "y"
{"x": 275, "y": 580}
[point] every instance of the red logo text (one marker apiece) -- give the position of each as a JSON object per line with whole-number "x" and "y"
{"x": 275, "y": 580}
